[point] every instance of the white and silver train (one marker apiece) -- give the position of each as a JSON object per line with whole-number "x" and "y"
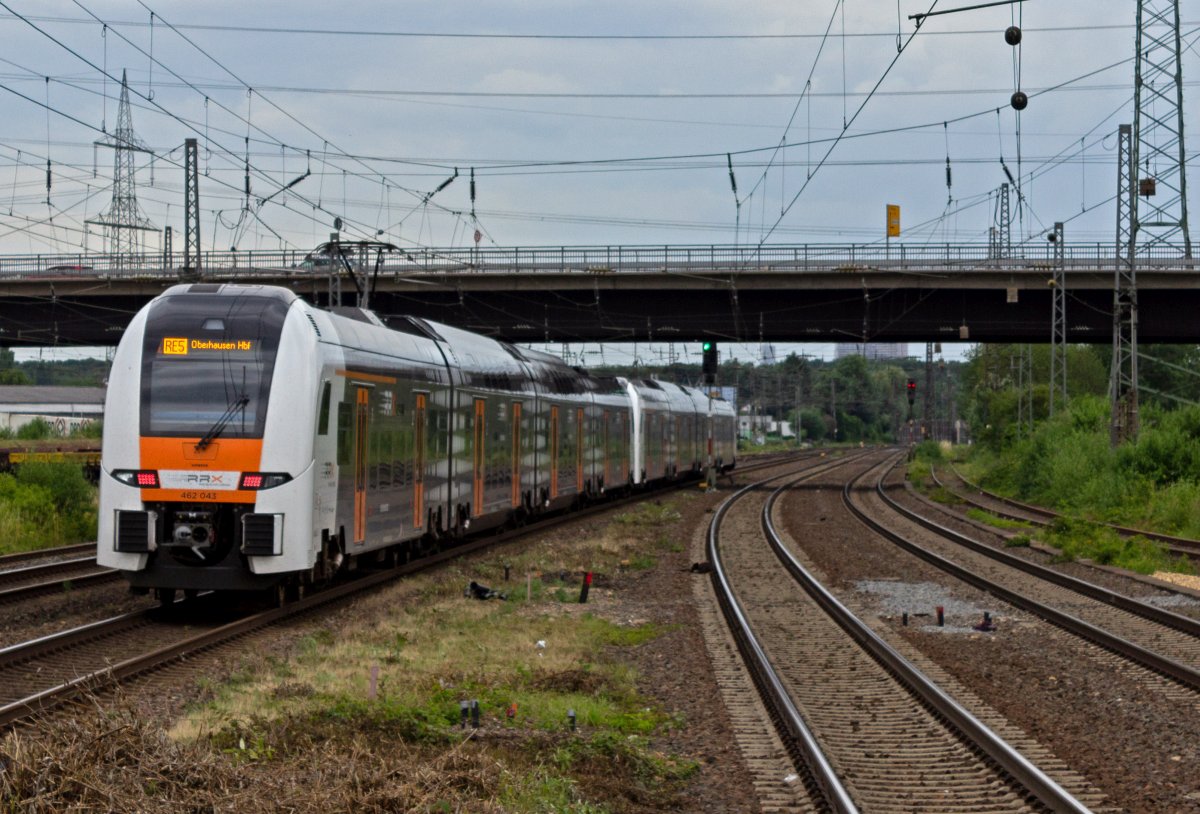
{"x": 253, "y": 441}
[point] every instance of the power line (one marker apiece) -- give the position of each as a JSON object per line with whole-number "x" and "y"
{"x": 334, "y": 32}
{"x": 900, "y": 49}
{"x": 191, "y": 126}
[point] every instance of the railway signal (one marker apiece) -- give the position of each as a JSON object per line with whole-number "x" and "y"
{"x": 711, "y": 358}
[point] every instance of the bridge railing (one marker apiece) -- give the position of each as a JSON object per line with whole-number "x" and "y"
{"x": 901, "y": 257}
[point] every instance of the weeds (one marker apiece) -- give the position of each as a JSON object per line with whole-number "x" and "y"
{"x": 1082, "y": 539}
{"x": 1068, "y": 464}
{"x": 997, "y": 521}
{"x": 44, "y": 505}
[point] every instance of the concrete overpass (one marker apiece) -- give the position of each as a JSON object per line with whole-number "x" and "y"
{"x": 792, "y": 293}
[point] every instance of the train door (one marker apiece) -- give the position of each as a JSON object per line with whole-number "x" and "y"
{"x": 649, "y": 467}
{"x": 604, "y": 445}
{"x": 361, "y": 412}
{"x": 479, "y": 460}
{"x": 580, "y": 432}
{"x": 553, "y": 451}
{"x": 516, "y": 454}
{"x": 624, "y": 448}
{"x": 681, "y": 447}
{"x": 419, "y": 463}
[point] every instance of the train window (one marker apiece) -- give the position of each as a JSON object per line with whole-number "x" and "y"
{"x": 323, "y": 418}
{"x": 208, "y": 360}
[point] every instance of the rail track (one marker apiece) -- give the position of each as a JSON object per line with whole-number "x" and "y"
{"x": 40, "y": 674}
{"x": 17, "y": 560}
{"x": 870, "y": 730}
{"x": 1011, "y": 509}
{"x": 1147, "y": 635}
{"x": 58, "y": 576}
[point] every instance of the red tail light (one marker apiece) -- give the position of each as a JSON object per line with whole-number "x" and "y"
{"x": 141, "y": 478}
{"x": 262, "y": 480}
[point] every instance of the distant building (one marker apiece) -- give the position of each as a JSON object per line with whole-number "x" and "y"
{"x": 875, "y": 351}
{"x": 752, "y": 426}
{"x": 64, "y": 407}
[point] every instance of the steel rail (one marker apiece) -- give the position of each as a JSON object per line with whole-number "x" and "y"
{"x": 1177, "y": 545}
{"x": 63, "y": 585}
{"x": 41, "y": 553}
{"x": 1164, "y": 617}
{"x": 1181, "y": 673}
{"x": 54, "y": 642}
{"x": 765, "y": 677}
{"x": 52, "y": 696}
{"x": 46, "y": 568}
{"x": 1037, "y": 782}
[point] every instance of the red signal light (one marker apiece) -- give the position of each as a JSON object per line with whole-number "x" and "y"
{"x": 146, "y": 479}
{"x": 252, "y": 481}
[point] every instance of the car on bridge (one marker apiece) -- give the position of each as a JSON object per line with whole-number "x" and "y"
{"x": 357, "y": 254}
{"x": 68, "y": 269}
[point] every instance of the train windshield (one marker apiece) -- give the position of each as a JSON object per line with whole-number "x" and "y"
{"x": 207, "y": 365}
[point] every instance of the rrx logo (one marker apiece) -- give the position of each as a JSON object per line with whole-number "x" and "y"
{"x": 203, "y": 479}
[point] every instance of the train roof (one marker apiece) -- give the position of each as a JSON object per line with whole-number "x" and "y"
{"x": 233, "y": 290}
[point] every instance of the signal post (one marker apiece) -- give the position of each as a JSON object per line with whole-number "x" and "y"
{"x": 711, "y": 363}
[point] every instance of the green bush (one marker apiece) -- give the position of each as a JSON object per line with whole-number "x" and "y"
{"x": 65, "y": 482}
{"x": 1068, "y": 464}
{"x": 88, "y": 429}
{"x": 44, "y": 505}
{"x": 929, "y": 451}
{"x": 37, "y": 430}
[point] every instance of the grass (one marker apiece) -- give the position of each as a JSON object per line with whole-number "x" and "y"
{"x": 1018, "y": 541}
{"x": 654, "y": 513}
{"x": 452, "y": 650}
{"x": 302, "y": 731}
{"x": 44, "y": 505}
{"x": 1082, "y": 539}
{"x": 528, "y": 661}
{"x": 997, "y": 521}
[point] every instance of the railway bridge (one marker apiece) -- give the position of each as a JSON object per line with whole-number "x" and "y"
{"x": 784, "y": 293}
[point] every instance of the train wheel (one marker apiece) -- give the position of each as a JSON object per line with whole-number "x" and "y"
{"x": 190, "y": 594}
{"x": 165, "y": 597}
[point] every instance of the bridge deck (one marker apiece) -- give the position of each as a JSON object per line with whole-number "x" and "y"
{"x": 817, "y": 293}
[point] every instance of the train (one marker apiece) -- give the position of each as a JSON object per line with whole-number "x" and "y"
{"x": 255, "y": 442}
{"x": 84, "y": 453}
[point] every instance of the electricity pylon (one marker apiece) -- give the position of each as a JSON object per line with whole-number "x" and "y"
{"x": 123, "y": 219}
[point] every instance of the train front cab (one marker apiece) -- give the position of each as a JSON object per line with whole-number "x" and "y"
{"x": 203, "y": 485}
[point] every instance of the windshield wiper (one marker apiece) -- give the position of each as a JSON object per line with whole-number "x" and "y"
{"x": 238, "y": 403}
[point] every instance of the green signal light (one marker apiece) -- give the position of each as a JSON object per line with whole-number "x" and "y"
{"x": 707, "y": 346}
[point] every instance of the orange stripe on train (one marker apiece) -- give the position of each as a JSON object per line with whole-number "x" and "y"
{"x": 208, "y": 475}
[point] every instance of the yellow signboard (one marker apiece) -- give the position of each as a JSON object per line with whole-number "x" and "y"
{"x": 181, "y": 346}
{"x": 893, "y": 220}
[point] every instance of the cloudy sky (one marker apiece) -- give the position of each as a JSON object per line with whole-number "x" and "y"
{"x": 585, "y": 123}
